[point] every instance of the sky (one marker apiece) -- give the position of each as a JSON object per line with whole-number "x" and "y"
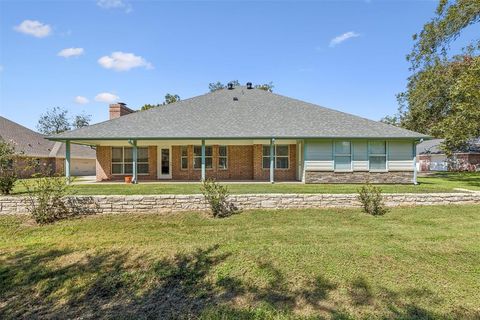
{"x": 83, "y": 55}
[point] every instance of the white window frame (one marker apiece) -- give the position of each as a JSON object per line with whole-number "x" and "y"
{"x": 200, "y": 157}
{"x": 183, "y": 157}
{"x": 335, "y": 155}
{"x": 378, "y": 155}
{"x": 275, "y": 157}
{"x": 221, "y": 157}
{"x": 123, "y": 163}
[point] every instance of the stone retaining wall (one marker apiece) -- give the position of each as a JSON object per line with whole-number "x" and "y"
{"x": 178, "y": 203}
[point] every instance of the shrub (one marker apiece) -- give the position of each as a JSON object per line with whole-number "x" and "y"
{"x": 46, "y": 199}
{"x": 7, "y": 181}
{"x": 372, "y": 200}
{"x": 216, "y": 195}
{"x": 7, "y": 174}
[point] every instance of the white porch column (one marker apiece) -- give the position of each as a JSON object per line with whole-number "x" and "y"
{"x": 272, "y": 160}
{"x": 67, "y": 161}
{"x": 203, "y": 159}
{"x": 133, "y": 143}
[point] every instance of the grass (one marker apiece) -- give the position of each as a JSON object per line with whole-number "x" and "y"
{"x": 413, "y": 263}
{"x": 444, "y": 182}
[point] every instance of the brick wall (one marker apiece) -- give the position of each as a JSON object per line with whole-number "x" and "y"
{"x": 104, "y": 165}
{"x": 289, "y": 174}
{"x": 24, "y": 167}
{"x": 239, "y": 164}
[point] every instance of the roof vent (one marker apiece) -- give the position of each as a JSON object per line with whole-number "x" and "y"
{"x": 235, "y": 99}
{"x": 230, "y": 86}
{"x": 249, "y": 85}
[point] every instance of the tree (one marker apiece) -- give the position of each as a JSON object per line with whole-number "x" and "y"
{"x": 81, "y": 120}
{"x": 169, "y": 98}
{"x": 214, "y": 86}
{"x": 442, "y": 95}
{"x": 54, "y": 121}
{"x": 266, "y": 86}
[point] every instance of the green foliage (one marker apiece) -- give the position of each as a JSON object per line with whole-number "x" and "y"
{"x": 442, "y": 96}
{"x": 56, "y": 120}
{"x": 46, "y": 199}
{"x": 266, "y": 86}
{"x": 452, "y": 17}
{"x": 372, "y": 200}
{"x": 7, "y": 173}
{"x": 216, "y": 195}
{"x": 81, "y": 120}
{"x": 169, "y": 98}
{"x": 214, "y": 86}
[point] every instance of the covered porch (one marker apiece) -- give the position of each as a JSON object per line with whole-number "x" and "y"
{"x": 232, "y": 160}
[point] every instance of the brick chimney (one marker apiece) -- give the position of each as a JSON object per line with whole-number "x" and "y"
{"x": 119, "y": 109}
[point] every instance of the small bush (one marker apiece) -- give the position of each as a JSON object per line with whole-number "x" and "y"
{"x": 216, "y": 195}
{"x": 372, "y": 200}
{"x": 7, "y": 174}
{"x": 46, "y": 199}
{"x": 7, "y": 181}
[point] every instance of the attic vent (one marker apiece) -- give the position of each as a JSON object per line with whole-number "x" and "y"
{"x": 249, "y": 85}
{"x": 230, "y": 86}
{"x": 235, "y": 99}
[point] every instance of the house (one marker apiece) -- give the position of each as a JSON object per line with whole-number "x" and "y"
{"x": 243, "y": 133}
{"x": 431, "y": 157}
{"x": 38, "y": 154}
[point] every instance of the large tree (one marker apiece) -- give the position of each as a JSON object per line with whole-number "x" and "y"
{"x": 56, "y": 120}
{"x": 442, "y": 97}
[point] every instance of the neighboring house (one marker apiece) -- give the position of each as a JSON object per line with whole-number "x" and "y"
{"x": 432, "y": 158}
{"x": 38, "y": 154}
{"x": 242, "y": 133}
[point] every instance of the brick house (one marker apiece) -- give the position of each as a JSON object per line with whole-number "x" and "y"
{"x": 38, "y": 154}
{"x": 431, "y": 157}
{"x": 243, "y": 133}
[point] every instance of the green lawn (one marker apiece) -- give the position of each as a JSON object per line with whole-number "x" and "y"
{"x": 413, "y": 263}
{"x": 439, "y": 183}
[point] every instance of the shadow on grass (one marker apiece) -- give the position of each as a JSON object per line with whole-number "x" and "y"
{"x": 65, "y": 284}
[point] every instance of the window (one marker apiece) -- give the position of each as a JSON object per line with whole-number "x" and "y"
{"x": 122, "y": 160}
{"x": 377, "y": 155}
{"x": 222, "y": 157}
{"x": 197, "y": 157}
{"x": 281, "y": 156}
{"x": 343, "y": 155}
{"x": 184, "y": 158}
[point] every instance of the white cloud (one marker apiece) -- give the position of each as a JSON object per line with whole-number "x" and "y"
{"x": 121, "y": 61}
{"x": 343, "y": 37}
{"x": 71, "y": 52}
{"x": 115, "y": 4}
{"x": 106, "y": 97}
{"x": 34, "y": 28}
{"x": 81, "y": 100}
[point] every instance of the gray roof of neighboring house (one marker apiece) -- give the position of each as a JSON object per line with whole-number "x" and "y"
{"x": 433, "y": 147}
{"x": 255, "y": 114}
{"x": 34, "y": 144}
{"x": 430, "y": 147}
